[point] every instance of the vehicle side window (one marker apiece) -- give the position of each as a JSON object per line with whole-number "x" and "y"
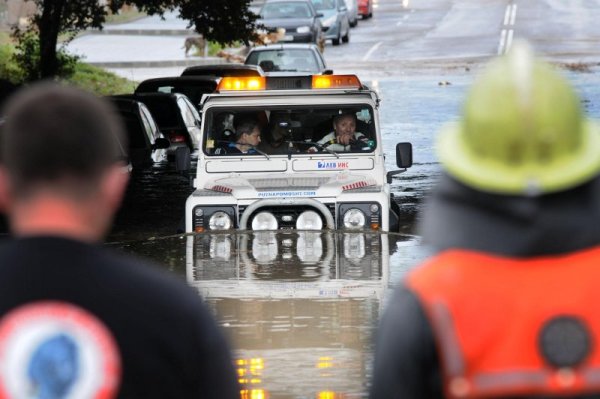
{"x": 148, "y": 120}
{"x": 186, "y": 112}
{"x": 147, "y": 128}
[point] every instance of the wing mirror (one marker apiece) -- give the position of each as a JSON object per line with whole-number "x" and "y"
{"x": 403, "y": 160}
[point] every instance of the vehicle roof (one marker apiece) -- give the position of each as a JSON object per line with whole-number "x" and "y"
{"x": 183, "y": 79}
{"x": 221, "y": 70}
{"x": 124, "y": 104}
{"x": 288, "y": 1}
{"x": 284, "y": 46}
{"x": 135, "y": 96}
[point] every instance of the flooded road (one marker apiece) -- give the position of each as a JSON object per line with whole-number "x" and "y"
{"x": 300, "y": 308}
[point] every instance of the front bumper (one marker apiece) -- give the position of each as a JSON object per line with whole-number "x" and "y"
{"x": 294, "y": 37}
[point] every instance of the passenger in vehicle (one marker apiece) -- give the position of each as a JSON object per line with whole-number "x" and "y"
{"x": 344, "y": 136}
{"x": 278, "y": 139}
{"x": 247, "y": 138}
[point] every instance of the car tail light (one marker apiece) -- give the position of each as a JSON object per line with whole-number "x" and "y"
{"x": 176, "y": 137}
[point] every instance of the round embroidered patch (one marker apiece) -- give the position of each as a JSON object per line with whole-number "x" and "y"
{"x": 53, "y": 349}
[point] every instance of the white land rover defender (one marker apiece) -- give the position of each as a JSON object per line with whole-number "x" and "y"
{"x": 294, "y": 177}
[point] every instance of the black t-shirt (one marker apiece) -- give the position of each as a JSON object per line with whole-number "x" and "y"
{"x": 168, "y": 341}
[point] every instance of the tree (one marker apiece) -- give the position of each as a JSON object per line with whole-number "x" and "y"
{"x": 222, "y": 21}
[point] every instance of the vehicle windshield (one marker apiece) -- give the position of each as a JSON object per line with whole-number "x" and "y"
{"x": 289, "y": 60}
{"x": 324, "y": 4}
{"x": 289, "y": 131}
{"x": 285, "y": 10}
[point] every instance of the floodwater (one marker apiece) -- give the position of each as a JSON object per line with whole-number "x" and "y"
{"x": 300, "y": 308}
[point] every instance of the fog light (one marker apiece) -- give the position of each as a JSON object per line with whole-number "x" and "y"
{"x": 374, "y": 208}
{"x": 219, "y": 221}
{"x": 309, "y": 220}
{"x": 264, "y": 221}
{"x": 198, "y": 212}
{"x": 354, "y": 219}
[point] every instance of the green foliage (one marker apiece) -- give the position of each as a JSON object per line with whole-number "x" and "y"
{"x": 27, "y": 58}
{"x": 221, "y": 21}
{"x": 99, "y": 81}
{"x": 8, "y": 68}
{"x": 85, "y": 76}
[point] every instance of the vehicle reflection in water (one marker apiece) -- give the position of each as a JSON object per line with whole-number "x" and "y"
{"x": 299, "y": 307}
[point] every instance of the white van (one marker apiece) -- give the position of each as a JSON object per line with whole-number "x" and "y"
{"x": 292, "y": 179}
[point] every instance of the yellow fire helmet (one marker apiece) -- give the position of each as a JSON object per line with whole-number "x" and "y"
{"x": 522, "y": 132}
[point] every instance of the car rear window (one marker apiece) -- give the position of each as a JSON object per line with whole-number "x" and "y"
{"x": 285, "y": 10}
{"x": 165, "y": 113}
{"x": 290, "y": 60}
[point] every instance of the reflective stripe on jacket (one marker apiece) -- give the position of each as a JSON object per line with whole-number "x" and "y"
{"x": 497, "y": 322}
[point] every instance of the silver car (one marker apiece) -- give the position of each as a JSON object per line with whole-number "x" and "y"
{"x": 288, "y": 58}
{"x": 352, "y": 6}
{"x": 335, "y": 21}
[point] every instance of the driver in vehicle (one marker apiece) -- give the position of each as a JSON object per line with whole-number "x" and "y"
{"x": 344, "y": 136}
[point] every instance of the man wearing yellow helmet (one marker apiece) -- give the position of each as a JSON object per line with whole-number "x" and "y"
{"x": 506, "y": 306}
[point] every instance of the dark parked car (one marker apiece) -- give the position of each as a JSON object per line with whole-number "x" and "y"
{"x": 286, "y": 58}
{"x": 221, "y": 70}
{"x": 176, "y": 116}
{"x": 298, "y": 17}
{"x": 335, "y": 21}
{"x": 192, "y": 86}
{"x": 146, "y": 144}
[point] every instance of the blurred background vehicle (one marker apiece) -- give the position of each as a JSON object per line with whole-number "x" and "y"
{"x": 192, "y": 86}
{"x": 146, "y": 144}
{"x": 222, "y": 70}
{"x": 298, "y": 17}
{"x": 281, "y": 59}
{"x": 352, "y": 6}
{"x": 335, "y": 21}
{"x": 176, "y": 116}
{"x": 365, "y": 8}
{"x": 256, "y": 5}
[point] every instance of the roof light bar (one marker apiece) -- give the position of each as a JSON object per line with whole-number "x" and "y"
{"x": 232, "y": 83}
{"x": 335, "y": 82}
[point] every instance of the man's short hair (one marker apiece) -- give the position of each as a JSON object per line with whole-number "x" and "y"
{"x": 56, "y": 133}
{"x": 246, "y": 126}
{"x": 344, "y": 115}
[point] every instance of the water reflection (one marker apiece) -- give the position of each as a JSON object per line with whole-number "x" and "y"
{"x": 299, "y": 307}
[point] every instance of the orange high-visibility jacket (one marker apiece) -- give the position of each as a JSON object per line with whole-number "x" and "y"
{"x": 491, "y": 317}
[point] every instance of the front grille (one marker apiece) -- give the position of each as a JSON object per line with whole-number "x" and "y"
{"x": 280, "y": 212}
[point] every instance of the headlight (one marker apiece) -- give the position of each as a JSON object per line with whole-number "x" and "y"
{"x": 309, "y": 220}
{"x": 329, "y": 21}
{"x": 219, "y": 221}
{"x": 264, "y": 221}
{"x": 354, "y": 219}
{"x": 303, "y": 29}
